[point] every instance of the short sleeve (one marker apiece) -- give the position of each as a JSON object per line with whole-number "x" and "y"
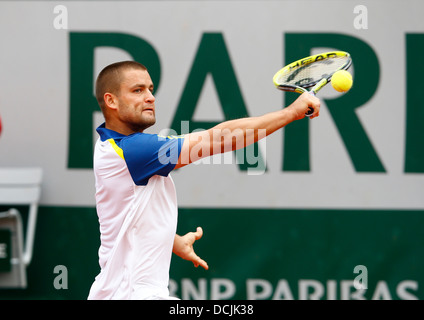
{"x": 147, "y": 155}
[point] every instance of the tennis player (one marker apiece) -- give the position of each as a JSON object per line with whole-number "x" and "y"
{"x": 135, "y": 196}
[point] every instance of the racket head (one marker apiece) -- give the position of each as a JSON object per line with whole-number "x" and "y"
{"x": 314, "y": 71}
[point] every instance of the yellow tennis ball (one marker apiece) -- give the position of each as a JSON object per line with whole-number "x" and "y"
{"x": 342, "y": 81}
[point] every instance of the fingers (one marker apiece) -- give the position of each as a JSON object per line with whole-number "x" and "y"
{"x": 314, "y": 103}
{"x": 197, "y": 261}
{"x": 303, "y": 104}
{"x": 200, "y": 262}
{"x": 198, "y": 234}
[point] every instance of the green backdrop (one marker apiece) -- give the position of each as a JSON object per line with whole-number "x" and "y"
{"x": 284, "y": 249}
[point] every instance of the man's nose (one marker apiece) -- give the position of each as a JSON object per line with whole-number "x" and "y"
{"x": 150, "y": 96}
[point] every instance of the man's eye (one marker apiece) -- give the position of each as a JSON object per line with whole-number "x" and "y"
{"x": 137, "y": 90}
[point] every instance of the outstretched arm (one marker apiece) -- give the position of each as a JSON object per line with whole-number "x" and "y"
{"x": 235, "y": 134}
{"x": 183, "y": 247}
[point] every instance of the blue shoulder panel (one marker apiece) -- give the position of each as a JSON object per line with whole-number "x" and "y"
{"x": 146, "y": 154}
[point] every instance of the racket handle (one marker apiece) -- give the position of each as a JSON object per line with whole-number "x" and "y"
{"x": 311, "y": 110}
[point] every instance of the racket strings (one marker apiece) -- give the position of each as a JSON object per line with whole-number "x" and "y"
{"x": 309, "y": 74}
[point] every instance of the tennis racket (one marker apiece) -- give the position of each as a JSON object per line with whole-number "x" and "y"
{"x": 313, "y": 71}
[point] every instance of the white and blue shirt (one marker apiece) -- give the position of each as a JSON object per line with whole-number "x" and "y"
{"x": 137, "y": 209}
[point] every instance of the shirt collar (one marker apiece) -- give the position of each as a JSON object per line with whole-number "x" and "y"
{"x": 106, "y": 134}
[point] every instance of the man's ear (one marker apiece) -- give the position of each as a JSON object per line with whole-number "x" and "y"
{"x": 110, "y": 100}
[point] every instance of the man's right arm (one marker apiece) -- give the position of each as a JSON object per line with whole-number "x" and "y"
{"x": 235, "y": 134}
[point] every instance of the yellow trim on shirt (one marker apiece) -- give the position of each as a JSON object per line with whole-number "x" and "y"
{"x": 118, "y": 150}
{"x": 171, "y": 137}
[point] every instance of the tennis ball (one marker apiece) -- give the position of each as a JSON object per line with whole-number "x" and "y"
{"x": 341, "y": 81}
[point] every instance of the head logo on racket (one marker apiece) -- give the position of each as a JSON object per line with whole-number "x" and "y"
{"x": 311, "y": 72}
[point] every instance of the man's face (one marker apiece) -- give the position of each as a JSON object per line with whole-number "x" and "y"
{"x": 136, "y": 101}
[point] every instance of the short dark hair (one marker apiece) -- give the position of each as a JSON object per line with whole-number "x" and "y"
{"x": 110, "y": 78}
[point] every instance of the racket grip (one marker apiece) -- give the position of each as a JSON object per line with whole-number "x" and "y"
{"x": 311, "y": 110}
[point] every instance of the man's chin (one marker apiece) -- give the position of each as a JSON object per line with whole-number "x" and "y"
{"x": 148, "y": 123}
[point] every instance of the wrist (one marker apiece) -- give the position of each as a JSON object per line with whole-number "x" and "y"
{"x": 290, "y": 114}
